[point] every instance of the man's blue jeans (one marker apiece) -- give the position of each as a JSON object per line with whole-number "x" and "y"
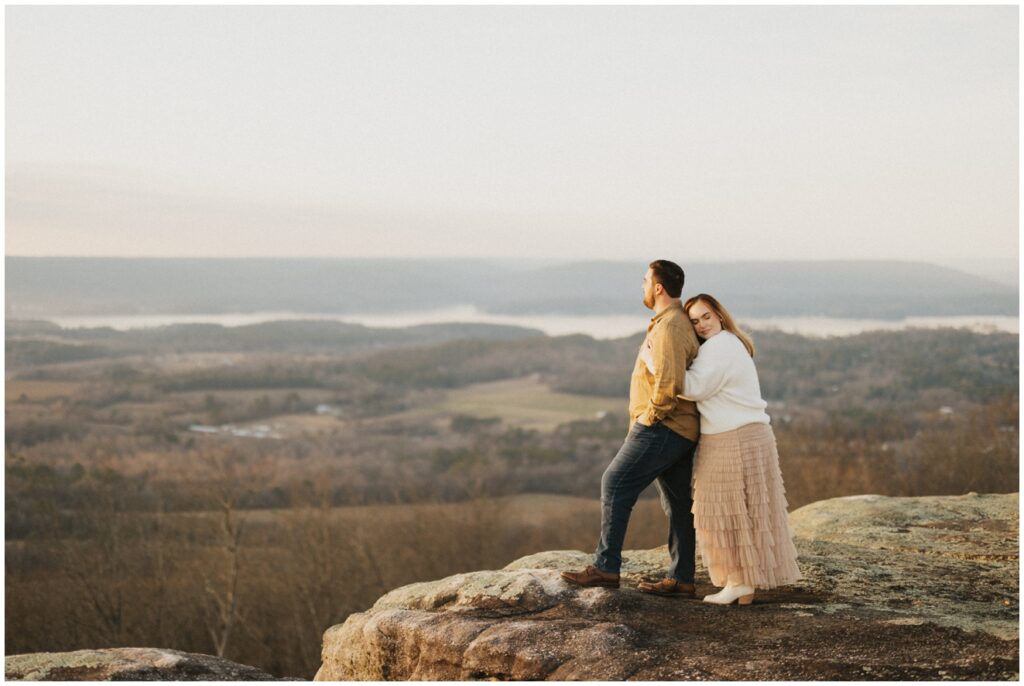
{"x": 649, "y": 453}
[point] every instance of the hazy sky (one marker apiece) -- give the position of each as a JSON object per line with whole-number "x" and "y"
{"x": 568, "y": 132}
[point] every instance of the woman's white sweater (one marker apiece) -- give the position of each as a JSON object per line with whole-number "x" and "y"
{"x": 723, "y": 382}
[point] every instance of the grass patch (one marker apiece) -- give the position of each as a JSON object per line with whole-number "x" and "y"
{"x": 38, "y": 390}
{"x": 526, "y": 402}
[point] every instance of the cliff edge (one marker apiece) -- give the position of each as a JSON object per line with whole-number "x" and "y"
{"x": 895, "y": 588}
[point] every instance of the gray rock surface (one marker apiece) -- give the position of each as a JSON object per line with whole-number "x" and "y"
{"x": 127, "y": 664}
{"x": 895, "y": 588}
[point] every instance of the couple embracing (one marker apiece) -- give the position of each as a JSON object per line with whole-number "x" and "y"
{"x": 697, "y": 418}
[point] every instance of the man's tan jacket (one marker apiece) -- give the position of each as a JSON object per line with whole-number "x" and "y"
{"x": 658, "y": 375}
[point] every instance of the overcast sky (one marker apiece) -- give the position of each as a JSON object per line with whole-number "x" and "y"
{"x": 706, "y": 133}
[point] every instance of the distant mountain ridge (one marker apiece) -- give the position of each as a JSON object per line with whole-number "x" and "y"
{"x": 41, "y": 286}
{"x": 31, "y": 342}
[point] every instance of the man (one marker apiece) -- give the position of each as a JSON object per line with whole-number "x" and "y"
{"x": 663, "y": 435}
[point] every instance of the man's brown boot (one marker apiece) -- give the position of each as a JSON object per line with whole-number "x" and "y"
{"x": 669, "y": 587}
{"x": 592, "y": 576}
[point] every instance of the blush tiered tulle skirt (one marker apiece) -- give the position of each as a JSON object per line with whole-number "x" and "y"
{"x": 739, "y": 509}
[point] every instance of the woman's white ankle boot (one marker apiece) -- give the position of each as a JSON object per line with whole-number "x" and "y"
{"x": 734, "y": 593}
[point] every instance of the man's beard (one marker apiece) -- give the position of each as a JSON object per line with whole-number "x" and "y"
{"x": 649, "y": 301}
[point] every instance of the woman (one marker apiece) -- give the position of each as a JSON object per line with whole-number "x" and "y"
{"x": 739, "y": 503}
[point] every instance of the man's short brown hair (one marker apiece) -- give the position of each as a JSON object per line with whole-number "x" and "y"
{"x": 670, "y": 275}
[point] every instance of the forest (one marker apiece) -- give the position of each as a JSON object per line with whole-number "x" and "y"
{"x": 235, "y": 491}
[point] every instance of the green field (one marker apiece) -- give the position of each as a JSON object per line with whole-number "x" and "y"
{"x": 527, "y": 403}
{"x": 34, "y": 390}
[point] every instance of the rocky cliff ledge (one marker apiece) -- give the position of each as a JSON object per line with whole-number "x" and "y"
{"x": 127, "y": 664}
{"x": 895, "y": 588}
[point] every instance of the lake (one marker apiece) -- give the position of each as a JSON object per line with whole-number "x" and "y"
{"x": 598, "y": 326}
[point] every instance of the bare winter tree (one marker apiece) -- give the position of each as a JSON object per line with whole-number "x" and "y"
{"x": 221, "y": 582}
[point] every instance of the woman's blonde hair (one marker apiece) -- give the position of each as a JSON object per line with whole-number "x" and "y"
{"x": 728, "y": 323}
